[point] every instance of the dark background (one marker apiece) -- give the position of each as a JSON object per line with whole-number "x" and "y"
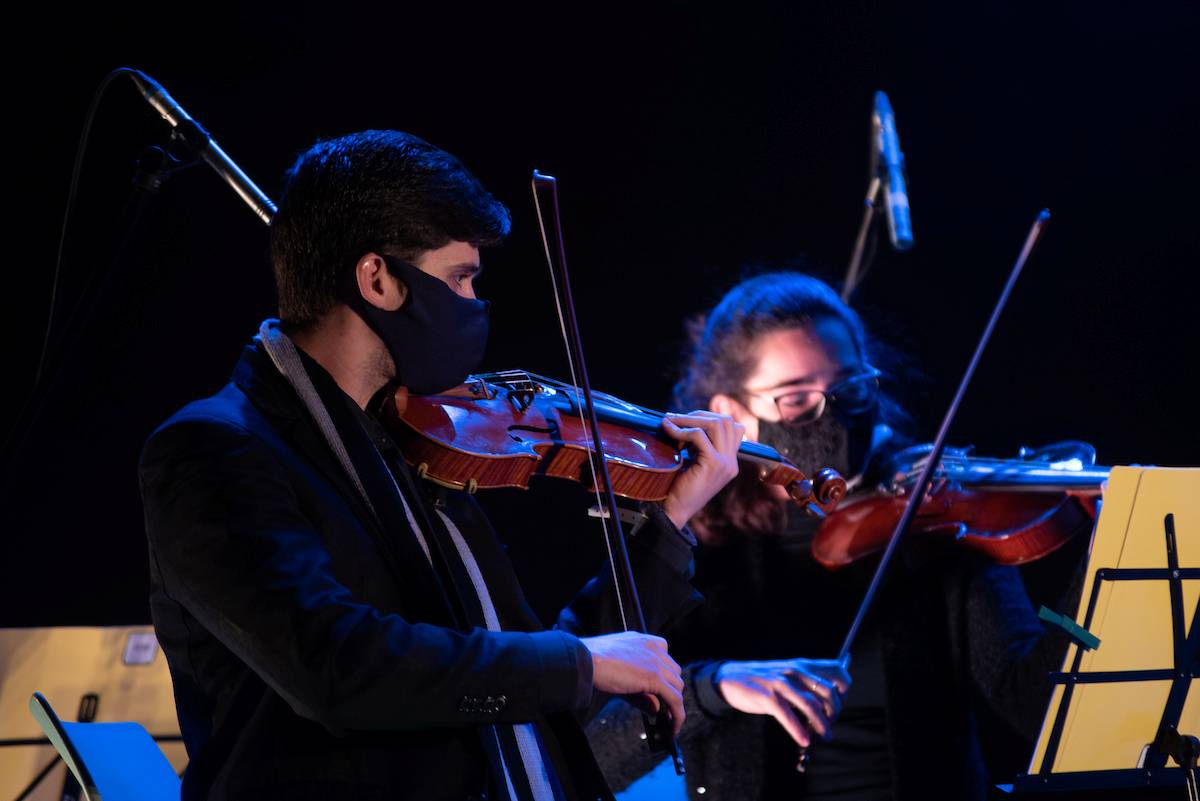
{"x": 689, "y": 145}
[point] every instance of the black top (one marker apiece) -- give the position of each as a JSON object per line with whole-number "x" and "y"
{"x": 949, "y": 632}
{"x": 855, "y": 764}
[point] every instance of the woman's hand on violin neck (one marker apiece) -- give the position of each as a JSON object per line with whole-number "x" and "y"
{"x": 637, "y": 665}
{"x": 713, "y": 441}
{"x": 803, "y": 695}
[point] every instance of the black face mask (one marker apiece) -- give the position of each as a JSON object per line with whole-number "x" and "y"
{"x": 436, "y": 338}
{"x": 843, "y": 443}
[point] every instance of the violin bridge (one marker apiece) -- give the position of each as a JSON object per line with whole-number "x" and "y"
{"x": 521, "y": 399}
{"x": 479, "y": 388}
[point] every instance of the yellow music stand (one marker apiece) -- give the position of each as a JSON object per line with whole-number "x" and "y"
{"x": 1117, "y": 711}
{"x": 115, "y": 673}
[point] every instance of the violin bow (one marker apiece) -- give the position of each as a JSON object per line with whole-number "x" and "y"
{"x": 659, "y": 735}
{"x": 939, "y": 445}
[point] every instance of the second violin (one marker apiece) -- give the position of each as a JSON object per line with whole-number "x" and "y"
{"x": 1012, "y": 510}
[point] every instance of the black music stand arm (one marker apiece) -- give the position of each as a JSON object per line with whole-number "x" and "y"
{"x": 1169, "y": 742}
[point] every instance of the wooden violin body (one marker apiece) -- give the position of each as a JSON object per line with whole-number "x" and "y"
{"x": 503, "y": 429}
{"x": 1013, "y": 511}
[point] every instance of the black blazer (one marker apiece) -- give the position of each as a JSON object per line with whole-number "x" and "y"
{"x": 313, "y": 650}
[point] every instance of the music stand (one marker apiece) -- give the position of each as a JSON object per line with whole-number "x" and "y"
{"x": 1121, "y": 718}
{"x": 107, "y": 673}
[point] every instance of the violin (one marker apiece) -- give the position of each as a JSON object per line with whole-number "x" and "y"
{"x": 1012, "y": 510}
{"x": 502, "y": 429}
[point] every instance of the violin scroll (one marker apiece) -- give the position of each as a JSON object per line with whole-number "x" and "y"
{"x": 820, "y": 494}
{"x": 829, "y": 487}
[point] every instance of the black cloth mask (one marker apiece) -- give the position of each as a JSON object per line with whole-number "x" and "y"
{"x": 436, "y": 338}
{"x": 843, "y": 443}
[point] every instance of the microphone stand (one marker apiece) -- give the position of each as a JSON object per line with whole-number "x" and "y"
{"x": 153, "y": 168}
{"x": 887, "y": 174}
{"x": 870, "y": 210}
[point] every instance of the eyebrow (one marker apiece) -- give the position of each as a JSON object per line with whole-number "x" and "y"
{"x": 808, "y": 379}
{"x": 472, "y": 267}
{"x": 804, "y": 379}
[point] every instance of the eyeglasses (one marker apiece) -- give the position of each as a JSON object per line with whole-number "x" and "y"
{"x": 853, "y": 395}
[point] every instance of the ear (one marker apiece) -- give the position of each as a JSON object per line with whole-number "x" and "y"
{"x": 377, "y": 285}
{"x": 727, "y": 404}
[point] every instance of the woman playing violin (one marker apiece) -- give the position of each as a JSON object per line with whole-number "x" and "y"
{"x": 783, "y": 356}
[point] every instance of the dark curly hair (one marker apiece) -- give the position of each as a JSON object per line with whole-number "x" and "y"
{"x": 721, "y": 357}
{"x": 382, "y": 191}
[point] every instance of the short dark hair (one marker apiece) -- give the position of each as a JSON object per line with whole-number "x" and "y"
{"x": 382, "y": 191}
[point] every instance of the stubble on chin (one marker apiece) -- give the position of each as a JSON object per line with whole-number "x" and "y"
{"x": 379, "y": 367}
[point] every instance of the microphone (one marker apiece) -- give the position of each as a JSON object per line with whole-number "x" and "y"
{"x": 887, "y": 149}
{"x": 196, "y": 138}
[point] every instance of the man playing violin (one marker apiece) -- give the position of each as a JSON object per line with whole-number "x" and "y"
{"x": 783, "y": 356}
{"x": 334, "y": 627}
